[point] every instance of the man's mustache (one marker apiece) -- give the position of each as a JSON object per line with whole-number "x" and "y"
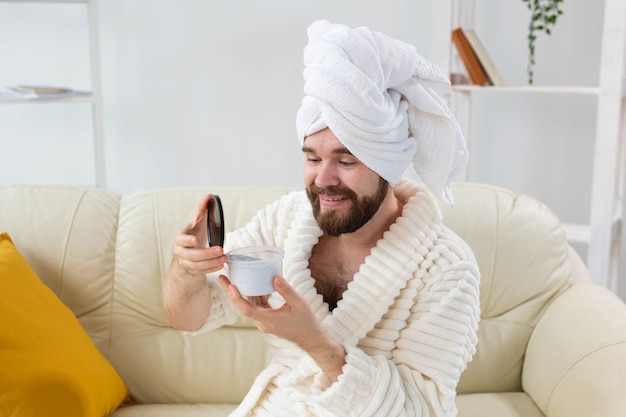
{"x": 343, "y": 191}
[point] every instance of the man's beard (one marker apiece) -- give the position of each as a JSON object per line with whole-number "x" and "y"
{"x": 361, "y": 211}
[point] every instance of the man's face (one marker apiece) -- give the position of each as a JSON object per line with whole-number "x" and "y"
{"x": 344, "y": 193}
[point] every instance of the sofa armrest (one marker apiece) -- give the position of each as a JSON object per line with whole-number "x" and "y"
{"x": 575, "y": 363}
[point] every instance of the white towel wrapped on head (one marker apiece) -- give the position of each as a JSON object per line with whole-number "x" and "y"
{"x": 384, "y": 102}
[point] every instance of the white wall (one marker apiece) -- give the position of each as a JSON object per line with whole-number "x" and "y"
{"x": 45, "y": 44}
{"x": 540, "y": 144}
{"x": 204, "y": 93}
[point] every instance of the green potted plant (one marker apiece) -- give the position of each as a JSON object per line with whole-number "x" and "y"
{"x": 543, "y": 16}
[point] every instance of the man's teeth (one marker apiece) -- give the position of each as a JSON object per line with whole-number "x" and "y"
{"x": 327, "y": 198}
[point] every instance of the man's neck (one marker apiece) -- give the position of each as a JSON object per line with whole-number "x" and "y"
{"x": 335, "y": 259}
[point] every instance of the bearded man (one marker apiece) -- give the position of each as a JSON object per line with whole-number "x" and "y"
{"x": 376, "y": 310}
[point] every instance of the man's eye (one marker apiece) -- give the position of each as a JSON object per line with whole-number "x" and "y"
{"x": 312, "y": 160}
{"x": 346, "y": 163}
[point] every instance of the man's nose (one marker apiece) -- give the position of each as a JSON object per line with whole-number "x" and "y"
{"x": 326, "y": 176}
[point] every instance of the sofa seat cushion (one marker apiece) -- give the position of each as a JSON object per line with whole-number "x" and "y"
{"x": 175, "y": 410}
{"x": 50, "y": 366}
{"x": 508, "y": 404}
{"x": 504, "y": 404}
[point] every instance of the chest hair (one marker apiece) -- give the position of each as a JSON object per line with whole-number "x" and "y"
{"x": 332, "y": 270}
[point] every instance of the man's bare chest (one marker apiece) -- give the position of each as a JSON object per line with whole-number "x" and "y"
{"x": 332, "y": 273}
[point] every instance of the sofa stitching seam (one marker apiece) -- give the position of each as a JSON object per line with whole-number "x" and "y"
{"x": 113, "y": 280}
{"x": 576, "y": 362}
{"x": 66, "y": 242}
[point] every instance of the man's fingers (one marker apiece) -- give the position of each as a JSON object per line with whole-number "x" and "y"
{"x": 252, "y": 307}
{"x": 185, "y": 239}
{"x": 200, "y": 260}
{"x": 232, "y": 292}
{"x": 259, "y": 300}
{"x": 202, "y": 267}
{"x": 214, "y": 253}
{"x": 224, "y": 281}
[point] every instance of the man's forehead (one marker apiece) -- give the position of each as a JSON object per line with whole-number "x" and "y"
{"x": 324, "y": 139}
{"x": 337, "y": 150}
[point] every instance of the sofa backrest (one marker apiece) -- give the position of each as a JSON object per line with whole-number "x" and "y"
{"x": 525, "y": 262}
{"x": 105, "y": 254}
{"x": 161, "y": 364}
{"x": 68, "y": 237}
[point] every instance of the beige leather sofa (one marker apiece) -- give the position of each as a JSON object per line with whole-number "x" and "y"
{"x": 550, "y": 342}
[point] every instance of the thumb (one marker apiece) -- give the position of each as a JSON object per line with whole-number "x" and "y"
{"x": 201, "y": 210}
{"x": 284, "y": 288}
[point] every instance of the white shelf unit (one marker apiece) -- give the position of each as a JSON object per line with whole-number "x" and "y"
{"x": 604, "y": 232}
{"x": 94, "y": 99}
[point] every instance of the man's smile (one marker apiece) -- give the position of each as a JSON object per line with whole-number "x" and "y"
{"x": 331, "y": 200}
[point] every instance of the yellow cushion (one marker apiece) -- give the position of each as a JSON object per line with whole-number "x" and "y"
{"x": 48, "y": 364}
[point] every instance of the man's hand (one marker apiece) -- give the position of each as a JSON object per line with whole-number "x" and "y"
{"x": 190, "y": 251}
{"x": 294, "y": 321}
{"x": 186, "y": 293}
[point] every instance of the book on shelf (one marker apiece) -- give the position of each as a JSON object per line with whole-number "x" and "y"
{"x": 470, "y": 61}
{"x": 493, "y": 75}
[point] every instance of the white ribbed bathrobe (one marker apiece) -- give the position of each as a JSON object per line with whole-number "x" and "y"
{"x": 408, "y": 320}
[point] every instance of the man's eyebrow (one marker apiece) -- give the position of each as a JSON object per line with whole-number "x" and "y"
{"x": 342, "y": 151}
